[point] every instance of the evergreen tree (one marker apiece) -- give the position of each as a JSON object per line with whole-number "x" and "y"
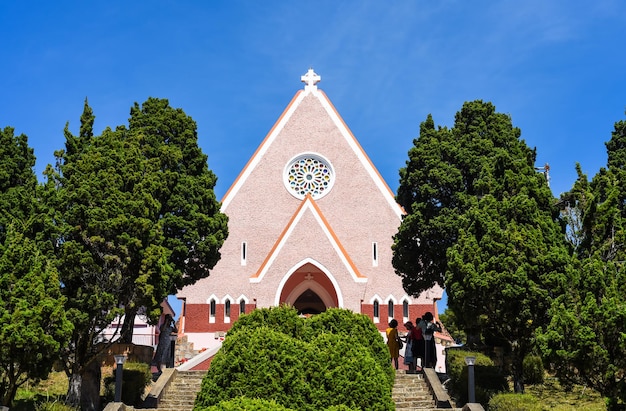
{"x": 586, "y": 339}
{"x": 137, "y": 219}
{"x": 18, "y": 182}
{"x": 482, "y": 222}
{"x": 32, "y": 314}
{"x": 34, "y": 325}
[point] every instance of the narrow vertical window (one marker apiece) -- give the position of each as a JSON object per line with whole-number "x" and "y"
{"x": 405, "y": 309}
{"x": 375, "y": 254}
{"x": 376, "y": 309}
{"x": 227, "y": 311}
{"x": 242, "y": 307}
{"x": 244, "y": 253}
{"x": 212, "y": 311}
{"x": 390, "y": 309}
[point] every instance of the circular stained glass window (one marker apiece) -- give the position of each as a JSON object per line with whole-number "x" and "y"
{"x": 309, "y": 174}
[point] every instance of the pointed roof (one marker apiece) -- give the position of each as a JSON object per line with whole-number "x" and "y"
{"x": 309, "y": 205}
{"x": 311, "y": 79}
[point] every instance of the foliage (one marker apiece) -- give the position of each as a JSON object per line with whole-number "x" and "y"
{"x": 585, "y": 341}
{"x": 357, "y": 329}
{"x": 342, "y": 371}
{"x": 488, "y": 378}
{"x": 18, "y": 182}
{"x": 482, "y": 222}
{"x": 555, "y": 397}
{"x": 514, "y": 402}
{"x": 534, "y": 372}
{"x": 136, "y": 219}
{"x": 453, "y": 327}
{"x": 258, "y": 404}
{"x": 54, "y": 406}
{"x": 245, "y": 403}
{"x": 135, "y": 378}
{"x": 311, "y": 364}
{"x": 281, "y": 319}
{"x": 33, "y": 320}
{"x": 33, "y": 393}
{"x": 259, "y": 363}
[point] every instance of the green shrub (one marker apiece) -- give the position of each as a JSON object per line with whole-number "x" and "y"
{"x": 357, "y": 328}
{"x": 54, "y": 406}
{"x": 248, "y": 404}
{"x": 342, "y": 372}
{"x": 489, "y": 379}
{"x": 283, "y": 319}
{"x": 330, "y": 360}
{"x": 514, "y": 402}
{"x": 257, "y": 363}
{"x": 257, "y": 404}
{"x": 533, "y": 370}
{"x": 135, "y": 378}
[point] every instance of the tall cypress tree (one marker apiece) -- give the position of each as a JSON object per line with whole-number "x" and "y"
{"x": 586, "y": 338}
{"x": 32, "y": 314}
{"x": 138, "y": 220}
{"x": 482, "y": 222}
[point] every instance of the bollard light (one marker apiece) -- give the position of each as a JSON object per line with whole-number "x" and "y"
{"x": 119, "y": 369}
{"x": 471, "y": 390}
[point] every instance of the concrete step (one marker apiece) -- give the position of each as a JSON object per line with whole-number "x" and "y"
{"x": 182, "y": 392}
{"x": 410, "y": 393}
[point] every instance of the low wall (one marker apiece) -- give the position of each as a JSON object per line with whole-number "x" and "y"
{"x": 134, "y": 353}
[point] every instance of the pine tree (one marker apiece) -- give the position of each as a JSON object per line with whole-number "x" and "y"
{"x": 138, "y": 220}
{"x": 32, "y": 314}
{"x": 586, "y": 338}
{"x": 482, "y": 223}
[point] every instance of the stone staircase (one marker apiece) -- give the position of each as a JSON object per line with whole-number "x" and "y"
{"x": 180, "y": 394}
{"x": 411, "y": 393}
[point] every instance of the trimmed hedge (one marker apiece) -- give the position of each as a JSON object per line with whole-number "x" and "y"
{"x": 334, "y": 359}
{"x": 358, "y": 328}
{"x": 248, "y": 404}
{"x": 488, "y": 378}
{"x": 281, "y": 319}
{"x": 256, "y": 404}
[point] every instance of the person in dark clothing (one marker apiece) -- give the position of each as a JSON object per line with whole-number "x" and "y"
{"x": 429, "y": 327}
{"x": 164, "y": 348}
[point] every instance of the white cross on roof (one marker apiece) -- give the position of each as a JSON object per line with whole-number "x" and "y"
{"x": 310, "y": 79}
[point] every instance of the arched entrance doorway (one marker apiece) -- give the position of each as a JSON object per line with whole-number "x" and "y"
{"x": 309, "y": 303}
{"x": 309, "y": 289}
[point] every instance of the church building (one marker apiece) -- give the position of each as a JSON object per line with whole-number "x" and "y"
{"x": 311, "y": 223}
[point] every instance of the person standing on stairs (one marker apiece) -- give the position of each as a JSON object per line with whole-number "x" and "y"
{"x": 164, "y": 348}
{"x": 429, "y": 327}
{"x": 412, "y": 337}
{"x": 393, "y": 341}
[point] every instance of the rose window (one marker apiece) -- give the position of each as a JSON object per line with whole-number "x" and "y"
{"x": 309, "y": 174}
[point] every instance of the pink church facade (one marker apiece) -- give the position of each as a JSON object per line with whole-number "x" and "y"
{"x": 311, "y": 223}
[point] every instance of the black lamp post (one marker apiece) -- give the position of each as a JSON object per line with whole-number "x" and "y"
{"x": 471, "y": 389}
{"x": 119, "y": 369}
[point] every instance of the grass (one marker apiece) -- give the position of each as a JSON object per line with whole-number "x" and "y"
{"x": 555, "y": 398}
{"x": 29, "y": 396}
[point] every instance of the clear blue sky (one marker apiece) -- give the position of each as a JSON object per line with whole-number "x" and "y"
{"x": 557, "y": 67}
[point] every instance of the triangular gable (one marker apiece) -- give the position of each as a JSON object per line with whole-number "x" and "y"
{"x": 309, "y": 205}
{"x": 343, "y": 129}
